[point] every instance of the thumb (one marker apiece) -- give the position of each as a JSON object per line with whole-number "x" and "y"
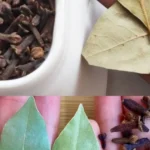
{"x": 96, "y": 129}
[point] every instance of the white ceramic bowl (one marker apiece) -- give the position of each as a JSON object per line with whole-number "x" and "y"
{"x": 17, "y": 85}
{"x": 63, "y": 72}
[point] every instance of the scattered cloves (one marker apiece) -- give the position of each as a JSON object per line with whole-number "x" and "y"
{"x": 139, "y": 144}
{"x": 135, "y": 119}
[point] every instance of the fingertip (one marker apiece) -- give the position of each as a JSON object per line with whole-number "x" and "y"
{"x": 95, "y": 127}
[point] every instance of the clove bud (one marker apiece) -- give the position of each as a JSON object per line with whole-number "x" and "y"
{"x": 139, "y": 144}
{"x": 102, "y": 138}
{"x": 135, "y": 107}
{"x": 13, "y": 38}
{"x": 37, "y": 52}
{"x": 130, "y": 140}
{"x": 128, "y": 126}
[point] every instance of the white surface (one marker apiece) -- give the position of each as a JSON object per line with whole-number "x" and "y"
{"x": 64, "y": 72}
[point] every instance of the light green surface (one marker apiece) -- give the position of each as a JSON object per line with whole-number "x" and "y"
{"x": 26, "y": 130}
{"x": 119, "y": 41}
{"x": 77, "y": 135}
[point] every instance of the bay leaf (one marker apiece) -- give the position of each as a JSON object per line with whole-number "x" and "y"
{"x": 119, "y": 41}
{"x": 26, "y": 130}
{"x": 77, "y": 135}
{"x": 139, "y": 8}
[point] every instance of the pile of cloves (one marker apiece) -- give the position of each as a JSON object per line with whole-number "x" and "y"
{"x": 26, "y": 28}
{"x": 134, "y": 119}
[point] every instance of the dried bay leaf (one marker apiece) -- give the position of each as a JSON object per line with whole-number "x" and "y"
{"x": 77, "y": 135}
{"x": 119, "y": 41}
{"x": 139, "y": 8}
{"x": 26, "y": 130}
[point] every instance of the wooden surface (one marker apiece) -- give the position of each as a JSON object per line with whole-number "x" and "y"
{"x": 69, "y": 105}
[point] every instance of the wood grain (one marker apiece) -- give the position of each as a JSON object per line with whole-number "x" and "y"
{"x": 69, "y": 105}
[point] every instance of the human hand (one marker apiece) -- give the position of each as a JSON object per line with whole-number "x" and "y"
{"x": 107, "y": 3}
{"x": 49, "y": 108}
{"x": 108, "y": 114}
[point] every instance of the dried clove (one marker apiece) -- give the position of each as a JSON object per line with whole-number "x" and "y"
{"x": 36, "y": 20}
{"x": 3, "y": 62}
{"x": 22, "y": 29}
{"x": 34, "y": 31}
{"x": 139, "y": 144}
{"x": 26, "y": 10}
{"x": 131, "y": 140}
{"x": 9, "y": 70}
{"x": 135, "y": 107}
{"x": 13, "y": 25}
{"x": 29, "y": 66}
{"x": 15, "y": 2}
{"x": 13, "y": 38}
{"x": 128, "y": 126}
{"x": 25, "y": 43}
{"x": 102, "y": 138}
{"x": 7, "y": 55}
{"x": 37, "y": 52}
{"x": 47, "y": 34}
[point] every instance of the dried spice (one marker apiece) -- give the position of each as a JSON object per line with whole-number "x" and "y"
{"x": 135, "y": 107}
{"x": 26, "y": 31}
{"x": 131, "y": 140}
{"x": 139, "y": 144}
{"x": 129, "y": 126}
{"x": 102, "y": 138}
{"x": 135, "y": 119}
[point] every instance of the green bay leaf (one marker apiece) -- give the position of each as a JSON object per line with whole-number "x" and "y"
{"x": 119, "y": 41}
{"x": 139, "y": 8}
{"x": 77, "y": 135}
{"x": 26, "y": 130}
